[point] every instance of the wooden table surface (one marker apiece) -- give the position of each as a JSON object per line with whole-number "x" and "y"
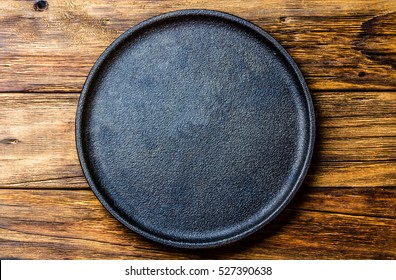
{"x": 346, "y": 208}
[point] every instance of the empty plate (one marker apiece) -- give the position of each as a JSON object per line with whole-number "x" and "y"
{"x": 195, "y": 128}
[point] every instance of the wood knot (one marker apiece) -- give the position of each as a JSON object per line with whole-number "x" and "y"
{"x": 9, "y": 141}
{"x": 377, "y": 40}
{"x": 284, "y": 19}
{"x": 41, "y": 5}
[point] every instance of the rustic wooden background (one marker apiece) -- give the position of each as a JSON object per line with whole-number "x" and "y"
{"x": 346, "y": 208}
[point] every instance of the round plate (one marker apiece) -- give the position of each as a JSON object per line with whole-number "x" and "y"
{"x": 195, "y": 128}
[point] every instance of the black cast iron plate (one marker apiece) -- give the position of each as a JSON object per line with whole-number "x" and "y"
{"x": 195, "y": 128}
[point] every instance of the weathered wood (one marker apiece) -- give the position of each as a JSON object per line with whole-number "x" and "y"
{"x": 37, "y": 139}
{"x": 354, "y": 104}
{"x": 347, "y": 205}
{"x": 329, "y": 174}
{"x": 73, "y": 224}
{"x": 38, "y": 147}
{"x": 352, "y": 174}
{"x": 364, "y": 201}
{"x": 339, "y": 44}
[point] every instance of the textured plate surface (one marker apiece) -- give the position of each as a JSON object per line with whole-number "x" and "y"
{"x": 195, "y": 128}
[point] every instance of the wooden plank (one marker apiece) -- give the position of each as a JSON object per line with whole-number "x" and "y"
{"x": 38, "y": 147}
{"x": 73, "y": 225}
{"x": 352, "y": 174}
{"x": 37, "y": 139}
{"x": 328, "y": 174}
{"x": 53, "y": 50}
{"x": 365, "y": 201}
{"x": 354, "y": 104}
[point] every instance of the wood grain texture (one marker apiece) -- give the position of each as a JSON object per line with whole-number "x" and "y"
{"x": 339, "y": 44}
{"x": 72, "y": 224}
{"x": 38, "y": 146}
{"x": 346, "y": 208}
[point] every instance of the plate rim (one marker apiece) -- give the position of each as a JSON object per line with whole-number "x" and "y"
{"x": 175, "y": 15}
